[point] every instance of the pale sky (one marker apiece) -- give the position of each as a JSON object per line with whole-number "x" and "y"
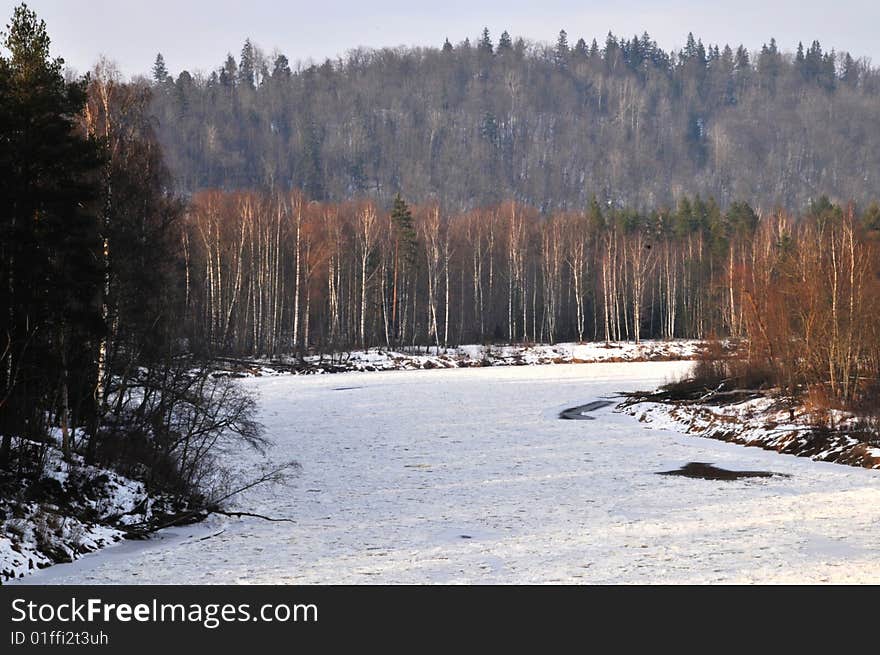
{"x": 196, "y": 34}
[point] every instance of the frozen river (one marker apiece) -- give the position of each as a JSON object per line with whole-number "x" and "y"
{"x": 469, "y": 476}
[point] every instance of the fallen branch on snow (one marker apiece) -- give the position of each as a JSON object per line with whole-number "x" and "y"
{"x": 192, "y": 515}
{"x": 252, "y": 515}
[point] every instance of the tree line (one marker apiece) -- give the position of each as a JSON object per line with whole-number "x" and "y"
{"x": 812, "y": 295}
{"x": 270, "y": 273}
{"x": 546, "y": 125}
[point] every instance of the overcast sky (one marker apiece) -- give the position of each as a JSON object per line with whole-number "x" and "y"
{"x": 197, "y": 34}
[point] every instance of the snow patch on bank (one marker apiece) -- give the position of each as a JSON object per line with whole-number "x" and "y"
{"x": 71, "y": 510}
{"x": 468, "y": 356}
{"x": 766, "y": 423}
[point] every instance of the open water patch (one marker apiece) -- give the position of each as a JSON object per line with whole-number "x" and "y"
{"x": 708, "y": 471}
{"x": 582, "y": 412}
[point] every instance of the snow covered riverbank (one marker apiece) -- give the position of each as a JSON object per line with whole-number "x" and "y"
{"x": 469, "y": 476}
{"x": 384, "y": 359}
{"x": 769, "y": 423}
{"x": 73, "y": 510}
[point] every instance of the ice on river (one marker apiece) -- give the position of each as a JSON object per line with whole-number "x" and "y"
{"x": 470, "y": 476}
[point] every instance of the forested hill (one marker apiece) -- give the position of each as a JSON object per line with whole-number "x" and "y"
{"x": 548, "y": 125}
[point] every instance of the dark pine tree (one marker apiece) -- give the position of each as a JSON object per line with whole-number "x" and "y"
{"x": 560, "y": 53}
{"x": 405, "y": 232}
{"x": 849, "y": 73}
{"x": 504, "y": 43}
{"x": 50, "y": 189}
{"x": 405, "y": 249}
{"x": 160, "y": 71}
{"x": 229, "y": 72}
{"x": 485, "y": 44}
{"x": 247, "y": 67}
{"x": 281, "y": 68}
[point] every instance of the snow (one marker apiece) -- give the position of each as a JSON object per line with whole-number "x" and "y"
{"x": 23, "y": 550}
{"x": 383, "y": 359}
{"x": 34, "y": 535}
{"x": 467, "y": 475}
{"x": 767, "y": 423}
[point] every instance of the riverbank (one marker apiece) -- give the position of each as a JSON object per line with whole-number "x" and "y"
{"x": 470, "y": 356}
{"x": 69, "y": 510}
{"x": 764, "y": 422}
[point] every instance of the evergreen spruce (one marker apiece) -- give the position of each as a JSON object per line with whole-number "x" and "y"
{"x": 281, "y": 68}
{"x": 504, "y": 43}
{"x": 229, "y": 73}
{"x": 405, "y": 232}
{"x": 160, "y": 72}
{"x": 485, "y": 44}
{"x": 561, "y": 52}
{"x": 849, "y": 73}
{"x": 247, "y": 66}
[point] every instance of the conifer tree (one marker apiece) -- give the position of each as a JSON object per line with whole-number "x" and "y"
{"x": 561, "y": 52}
{"x": 504, "y": 43}
{"x": 405, "y": 233}
{"x": 871, "y": 217}
{"x": 690, "y": 48}
{"x": 281, "y": 68}
{"x": 51, "y": 276}
{"x": 404, "y": 250}
{"x": 611, "y": 52}
{"x": 160, "y": 71}
{"x": 247, "y": 66}
{"x": 229, "y": 72}
{"x": 485, "y": 44}
{"x": 742, "y": 64}
{"x": 849, "y": 73}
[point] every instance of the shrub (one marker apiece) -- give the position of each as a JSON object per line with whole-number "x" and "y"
{"x": 170, "y": 423}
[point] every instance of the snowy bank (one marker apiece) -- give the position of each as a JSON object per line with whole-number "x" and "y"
{"x": 70, "y": 510}
{"x": 766, "y": 423}
{"x": 384, "y": 359}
